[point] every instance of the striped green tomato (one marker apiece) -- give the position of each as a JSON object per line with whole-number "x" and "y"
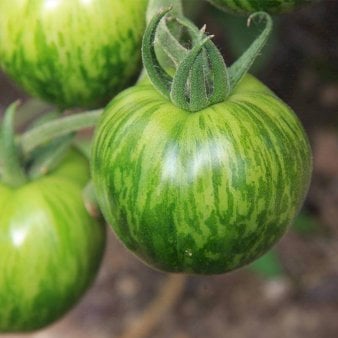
{"x": 203, "y": 192}
{"x": 72, "y": 52}
{"x": 50, "y": 248}
{"x": 250, "y": 6}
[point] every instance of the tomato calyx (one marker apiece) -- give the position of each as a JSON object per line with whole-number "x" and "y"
{"x": 201, "y": 77}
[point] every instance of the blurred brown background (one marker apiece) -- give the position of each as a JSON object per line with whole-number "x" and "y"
{"x": 294, "y": 294}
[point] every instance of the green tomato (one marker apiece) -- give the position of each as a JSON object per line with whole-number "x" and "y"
{"x": 204, "y": 192}
{"x": 50, "y": 247}
{"x": 250, "y": 6}
{"x": 74, "y": 53}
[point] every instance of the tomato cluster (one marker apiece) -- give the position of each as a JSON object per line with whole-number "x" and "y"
{"x": 198, "y": 172}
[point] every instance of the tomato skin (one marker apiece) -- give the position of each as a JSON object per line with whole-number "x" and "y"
{"x": 73, "y": 53}
{"x": 249, "y": 6}
{"x": 204, "y": 192}
{"x": 50, "y": 247}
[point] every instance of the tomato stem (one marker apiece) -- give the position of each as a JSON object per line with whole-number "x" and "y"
{"x": 201, "y": 78}
{"x": 50, "y": 130}
{"x": 18, "y": 152}
{"x": 12, "y": 172}
{"x": 178, "y": 94}
{"x": 90, "y": 201}
{"x": 48, "y": 158}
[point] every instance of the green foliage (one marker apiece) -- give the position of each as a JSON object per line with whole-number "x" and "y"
{"x": 268, "y": 266}
{"x": 306, "y": 224}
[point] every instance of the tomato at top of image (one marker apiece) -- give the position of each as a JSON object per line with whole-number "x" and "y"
{"x": 249, "y": 6}
{"x": 72, "y": 53}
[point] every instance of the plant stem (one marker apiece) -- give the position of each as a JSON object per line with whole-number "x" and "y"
{"x": 56, "y": 128}
{"x": 12, "y": 173}
{"x": 157, "y": 310}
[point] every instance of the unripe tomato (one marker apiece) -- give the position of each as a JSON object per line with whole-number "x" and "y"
{"x": 50, "y": 247}
{"x": 72, "y": 52}
{"x": 203, "y": 192}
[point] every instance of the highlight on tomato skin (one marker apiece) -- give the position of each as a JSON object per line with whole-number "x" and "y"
{"x": 72, "y": 53}
{"x": 51, "y": 248}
